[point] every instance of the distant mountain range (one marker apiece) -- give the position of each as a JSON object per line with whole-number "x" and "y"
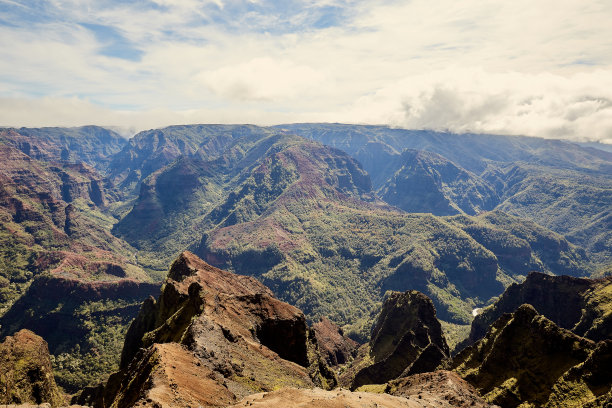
{"x": 329, "y": 216}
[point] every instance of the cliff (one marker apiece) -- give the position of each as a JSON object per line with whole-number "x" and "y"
{"x": 406, "y": 339}
{"x": 526, "y": 360}
{"x": 26, "y": 375}
{"x": 581, "y": 305}
{"x": 229, "y": 329}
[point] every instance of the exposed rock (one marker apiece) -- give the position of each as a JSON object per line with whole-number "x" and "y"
{"x": 236, "y": 337}
{"x": 583, "y": 306}
{"x": 335, "y": 348}
{"x": 438, "y": 389}
{"x": 407, "y": 339}
{"x": 26, "y": 375}
{"x": 527, "y": 360}
{"x": 317, "y": 398}
{"x": 165, "y": 375}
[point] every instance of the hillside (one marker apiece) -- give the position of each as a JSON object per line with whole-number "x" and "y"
{"x": 427, "y": 182}
{"x": 92, "y": 145}
{"x": 329, "y": 229}
{"x": 320, "y": 246}
{"x": 567, "y": 370}
{"x": 557, "y": 184}
{"x": 577, "y": 304}
{"x": 53, "y": 220}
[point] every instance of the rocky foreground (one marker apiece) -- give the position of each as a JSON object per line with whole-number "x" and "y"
{"x": 216, "y": 339}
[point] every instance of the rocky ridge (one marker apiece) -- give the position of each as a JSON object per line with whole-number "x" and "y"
{"x": 581, "y": 305}
{"x": 526, "y": 360}
{"x": 228, "y": 328}
{"x": 215, "y": 339}
{"x": 406, "y": 339}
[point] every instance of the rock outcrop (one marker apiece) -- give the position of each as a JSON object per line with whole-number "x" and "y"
{"x": 316, "y": 398}
{"x": 26, "y": 375}
{"x": 437, "y": 389}
{"x": 526, "y": 360}
{"x": 334, "y": 346}
{"x": 407, "y": 339}
{"x": 229, "y": 330}
{"x": 440, "y": 389}
{"x": 583, "y": 306}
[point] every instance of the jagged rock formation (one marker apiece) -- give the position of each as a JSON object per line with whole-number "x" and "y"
{"x": 527, "y": 360}
{"x": 583, "y": 306}
{"x": 407, "y": 339}
{"x": 437, "y": 389}
{"x": 427, "y": 182}
{"x": 334, "y": 346}
{"x": 26, "y": 375}
{"x": 228, "y": 328}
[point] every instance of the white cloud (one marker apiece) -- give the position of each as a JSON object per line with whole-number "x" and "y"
{"x": 578, "y": 106}
{"x": 538, "y": 68}
{"x": 262, "y": 79}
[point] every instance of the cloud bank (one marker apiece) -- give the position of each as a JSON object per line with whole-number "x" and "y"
{"x": 534, "y": 68}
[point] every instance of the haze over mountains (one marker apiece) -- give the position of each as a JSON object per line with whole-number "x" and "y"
{"x": 328, "y": 216}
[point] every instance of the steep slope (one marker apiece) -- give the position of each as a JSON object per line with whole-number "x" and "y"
{"x": 566, "y": 371}
{"x": 306, "y": 224}
{"x": 522, "y": 246}
{"x": 229, "y": 329}
{"x": 151, "y": 150}
{"x": 575, "y": 204}
{"x": 334, "y": 346}
{"x": 176, "y": 203}
{"x": 427, "y": 182}
{"x": 52, "y": 220}
{"x": 406, "y": 339}
{"x": 92, "y": 145}
{"x": 83, "y": 322}
{"x": 26, "y": 375}
{"x": 583, "y": 306}
{"x": 60, "y": 266}
{"x": 557, "y": 184}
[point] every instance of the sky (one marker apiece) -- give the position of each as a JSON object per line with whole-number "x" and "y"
{"x": 538, "y": 68}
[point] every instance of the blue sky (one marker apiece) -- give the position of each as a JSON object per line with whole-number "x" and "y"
{"x": 537, "y": 68}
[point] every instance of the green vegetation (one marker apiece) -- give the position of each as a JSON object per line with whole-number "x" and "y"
{"x": 300, "y": 216}
{"x": 89, "y": 360}
{"x": 93, "y": 319}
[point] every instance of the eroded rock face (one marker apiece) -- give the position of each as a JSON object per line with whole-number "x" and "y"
{"x": 335, "y": 348}
{"x": 26, "y": 376}
{"x": 229, "y": 329}
{"x": 527, "y": 359}
{"x": 407, "y": 339}
{"x": 577, "y": 304}
{"x": 437, "y": 389}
